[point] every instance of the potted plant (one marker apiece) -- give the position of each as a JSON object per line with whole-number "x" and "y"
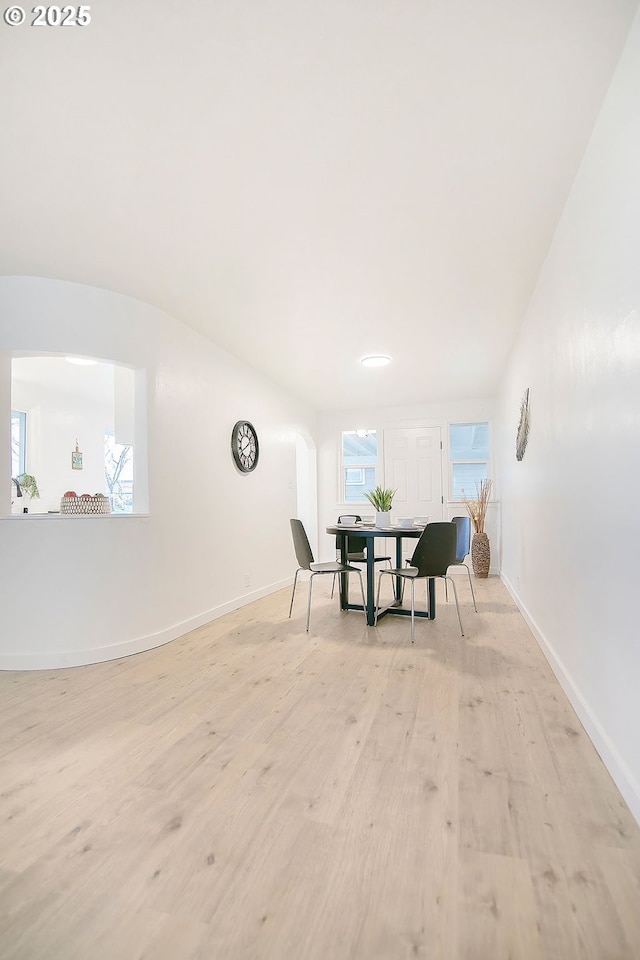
{"x": 381, "y": 500}
{"x": 26, "y": 486}
{"x": 477, "y": 510}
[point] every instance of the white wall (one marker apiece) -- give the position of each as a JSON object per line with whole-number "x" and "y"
{"x": 330, "y": 427}
{"x": 570, "y": 526}
{"x": 107, "y": 586}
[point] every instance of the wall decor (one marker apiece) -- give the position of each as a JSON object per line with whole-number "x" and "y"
{"x": 522, "y": 435}
{"x": 76, "y": 459}
{"x": 244, "y": 446}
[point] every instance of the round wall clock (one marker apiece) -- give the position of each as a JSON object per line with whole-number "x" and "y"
{"x": 244, "y": 446}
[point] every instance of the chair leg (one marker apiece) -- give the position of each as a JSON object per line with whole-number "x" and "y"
{"x": 333, "y": 584}
{"x": 471, "y": 585}
{"x": 408, "y": 564}
{"x": 380, "y": 576}
{"x": 364, "y": 602}
{"x": 295, "y": 580}
{"x": 455, "y": 594}
{"x": 413, "y": 614}
{"x": 309, "y": 603}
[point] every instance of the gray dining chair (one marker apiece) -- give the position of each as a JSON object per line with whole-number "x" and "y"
{"x": 304, "y": 556}
{"x": 435, "y": 552}
{"x": 463, "y": 545}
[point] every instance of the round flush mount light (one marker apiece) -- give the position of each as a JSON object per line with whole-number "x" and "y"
{"x": 376, "y": 360}
{"x": 81, "y": 361}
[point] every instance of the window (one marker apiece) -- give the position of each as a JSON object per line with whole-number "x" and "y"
{"x": 359, "y": 459}
{"x": 468, "y": 456}
{"x": 118, "y": 474}
{"x": 18, "y": 442}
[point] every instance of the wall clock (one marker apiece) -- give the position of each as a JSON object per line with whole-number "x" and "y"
{"x": 523, "y": 427}
{"x": 244, "y": 446}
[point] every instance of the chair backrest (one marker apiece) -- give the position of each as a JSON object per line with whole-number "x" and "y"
{"x": 301, "y": 544}
{"x": 463, "y": 542}
{"x": 435, "y": 550}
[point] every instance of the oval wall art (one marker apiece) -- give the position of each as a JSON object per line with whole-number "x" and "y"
{"x": 523, "y": 427}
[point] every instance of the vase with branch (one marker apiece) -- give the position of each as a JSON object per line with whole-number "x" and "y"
{"x": 477, "y": 510}
{"x": 381, "y": 500}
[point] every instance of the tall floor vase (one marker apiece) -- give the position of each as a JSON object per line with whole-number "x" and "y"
{"x": 480, "y": 555}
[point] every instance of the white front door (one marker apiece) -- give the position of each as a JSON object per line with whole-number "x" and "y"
{"x": 413, "y": 467}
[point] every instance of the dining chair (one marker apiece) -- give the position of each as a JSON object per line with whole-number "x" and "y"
{"x": 304, "y": 556}
{"x": 463, "y": 545}
{"x": 435, "y": 552}
{"x": 356, "y": 550}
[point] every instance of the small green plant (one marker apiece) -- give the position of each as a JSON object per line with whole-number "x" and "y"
{"x": 381, "y": 499}
{"x": 28, "y": 485}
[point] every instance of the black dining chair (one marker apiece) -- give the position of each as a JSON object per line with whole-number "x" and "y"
{"x": 435, "y": 552}
{"x": 356, "y": 549}
{"x": 463, "y": 545}
{"x": 305, "y": 560}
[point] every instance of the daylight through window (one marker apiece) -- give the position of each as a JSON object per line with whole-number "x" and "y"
{"x": 359, "y": 460}
{"x": 468, "y": 456}
{"x": 118, "y": 474}
{"x": 18, "y": 442}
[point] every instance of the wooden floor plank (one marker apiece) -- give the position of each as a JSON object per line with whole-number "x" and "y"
{"x": 254, "y": 792}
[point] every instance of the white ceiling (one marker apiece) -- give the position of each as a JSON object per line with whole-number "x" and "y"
{"x": 307, "y": 181}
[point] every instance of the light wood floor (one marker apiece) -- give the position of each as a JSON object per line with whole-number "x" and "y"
{"x": 256, "y": 793}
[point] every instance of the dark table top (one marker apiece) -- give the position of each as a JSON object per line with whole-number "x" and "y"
{"x": 370, "y": 530}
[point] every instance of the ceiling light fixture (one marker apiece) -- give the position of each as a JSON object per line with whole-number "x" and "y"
{"x": 377, "y": 360}
{"x": 81, "y": 361}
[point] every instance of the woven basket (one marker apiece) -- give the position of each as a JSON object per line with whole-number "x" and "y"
{"x": 84, "y": 505}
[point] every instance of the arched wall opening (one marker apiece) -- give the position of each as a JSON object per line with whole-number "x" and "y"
{"x": 78, "y": 424}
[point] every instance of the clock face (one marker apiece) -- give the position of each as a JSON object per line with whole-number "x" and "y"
{"x": 244, "y": 446}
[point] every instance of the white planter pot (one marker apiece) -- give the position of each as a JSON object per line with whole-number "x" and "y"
{"x": 383, "y": 519}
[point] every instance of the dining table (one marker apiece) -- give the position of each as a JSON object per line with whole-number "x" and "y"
{"x": 367, "y": 533}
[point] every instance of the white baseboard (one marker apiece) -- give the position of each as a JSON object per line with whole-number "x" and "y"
{"x": 45, "y": 660}
{"x": 620, "y": 773}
